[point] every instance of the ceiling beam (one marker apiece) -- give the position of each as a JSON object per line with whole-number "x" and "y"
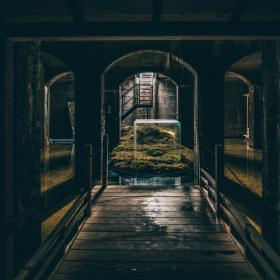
{"x": 239, "y": 9}
{"x": 75, "y": 10}
{"x": 156, "y": 11}
{"x": 145, "y": 31}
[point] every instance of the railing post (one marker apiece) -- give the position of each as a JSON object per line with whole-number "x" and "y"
{"x": 88, "y": 175}
{"x": 104, "y": 171}
{"x": 219, "y": 174}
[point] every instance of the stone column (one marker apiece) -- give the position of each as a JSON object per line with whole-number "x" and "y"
{"x": 211, "y": 92}
{"x": 7, "y": 189}
{"x": 255, "y": 117}
{"x": 88, "y": 109}
{"x": 271, "y": 148}
{"x": 26, "y": 149}
{"x": 186, "y": 114}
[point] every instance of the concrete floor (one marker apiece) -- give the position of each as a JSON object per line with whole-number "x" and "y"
{"x": 243, "y": 165}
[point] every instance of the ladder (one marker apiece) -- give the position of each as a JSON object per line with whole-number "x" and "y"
{"x": 142, "y": 91}
{"x": 146, "y": 81}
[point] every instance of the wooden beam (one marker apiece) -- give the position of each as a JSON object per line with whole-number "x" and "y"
{"x": 156, "y": 11}
{"x": 144, "y": 31}
{"x": 75, "y": 10}
{"x": 240, "y": 8}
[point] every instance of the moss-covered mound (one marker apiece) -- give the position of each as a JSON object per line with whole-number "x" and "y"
{"x": 156, "y": 152}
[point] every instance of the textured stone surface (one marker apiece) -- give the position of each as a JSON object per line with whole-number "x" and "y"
{"x": 27, "y": 148}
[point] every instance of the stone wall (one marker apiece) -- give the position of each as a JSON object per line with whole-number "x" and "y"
{"x": 28, "y": 87}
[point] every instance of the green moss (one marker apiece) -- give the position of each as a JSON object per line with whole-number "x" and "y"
{"x": 156, "y": 152}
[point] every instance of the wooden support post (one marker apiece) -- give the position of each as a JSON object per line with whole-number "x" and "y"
{"x": 104, "y": 172}
{"x": 88, "y": 175}
{"x": 219, "y": 174}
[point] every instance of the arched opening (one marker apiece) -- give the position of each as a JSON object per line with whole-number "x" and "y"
{"x": 58, "y": 149}
{"x": 237, "y": 91}
{"x": 243, "y": 134}
{"x": 169, "y": 78}
{"x": 161, "y": 98}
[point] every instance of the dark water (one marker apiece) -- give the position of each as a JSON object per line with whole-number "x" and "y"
{"x": 149, "y": 180}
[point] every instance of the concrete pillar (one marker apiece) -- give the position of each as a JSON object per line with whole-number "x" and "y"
{"x": 271, "y": 149}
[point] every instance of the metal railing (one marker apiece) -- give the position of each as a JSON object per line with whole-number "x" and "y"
{"x": 136, "y": 99}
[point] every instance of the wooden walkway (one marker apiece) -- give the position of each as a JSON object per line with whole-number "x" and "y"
{"x": 153, "y": 233}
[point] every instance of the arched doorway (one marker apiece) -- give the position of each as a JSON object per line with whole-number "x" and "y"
{"x": 150, "y": 61}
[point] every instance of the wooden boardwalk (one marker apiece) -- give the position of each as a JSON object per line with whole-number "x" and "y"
{"x": 153, "y": 233}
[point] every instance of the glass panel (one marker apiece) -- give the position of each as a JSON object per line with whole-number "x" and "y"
{"x": 160, "y": 139}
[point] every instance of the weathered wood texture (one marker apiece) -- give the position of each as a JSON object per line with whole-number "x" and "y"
{"x": 153, "y": 233}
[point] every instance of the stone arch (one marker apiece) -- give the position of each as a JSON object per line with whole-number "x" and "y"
{"x": 175, "y": 59}
{"x": 46, "y": 102}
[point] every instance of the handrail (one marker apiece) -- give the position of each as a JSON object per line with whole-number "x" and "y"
{"x": 129, "y": 89}
{"x": 39, "y": 264}
{"x": 263, "y": 257}
{"x": 208, "y": 177}
{"x": 46, "y": 257}
{"x": 253, "y": 243}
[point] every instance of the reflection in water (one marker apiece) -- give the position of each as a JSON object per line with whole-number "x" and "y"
{"x": 150, "y": 181}
{"x": 57, "y": 165}
{"x": 57, "y": 174}
{"x": 243, "y": 165}
{"x": 153, "y": 180}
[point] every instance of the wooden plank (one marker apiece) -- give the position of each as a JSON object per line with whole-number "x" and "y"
{"x": 127, "y": 208}
{"x": 150, "y": 214}
{"x": 150, "y": 220}
{"x": 151, "y": 189}
{"x": 154, "y": 228}
{"x": 126, "y": 193}
{"x": 156, "y": 233}
{"x": 152, "y": 256}
{"x": 188, "y": 236}
{"x": 152, "y": 203}
{"x": 178, "y": 277}
{"x": 157, "y": 269}
{"x": 147, "y": 200}
{"x": 208, "y": 30}
{"x": 153, "y": 245}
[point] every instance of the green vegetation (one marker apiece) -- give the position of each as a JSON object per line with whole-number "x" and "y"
{"x": 156, "y": 152}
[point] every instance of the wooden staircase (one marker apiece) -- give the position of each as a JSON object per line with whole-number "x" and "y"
{"x": 139, "y": 95}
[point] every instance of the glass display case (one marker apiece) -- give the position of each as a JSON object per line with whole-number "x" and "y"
{"x": 157, "y": 140}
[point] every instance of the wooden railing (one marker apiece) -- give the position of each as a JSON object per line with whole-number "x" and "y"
{"x": 53, "y": 249}
{"x": 255, "y": 247}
